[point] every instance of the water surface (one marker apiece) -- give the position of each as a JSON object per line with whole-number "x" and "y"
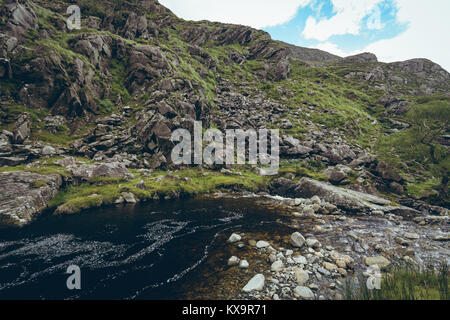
{"x": 151, "y": 251}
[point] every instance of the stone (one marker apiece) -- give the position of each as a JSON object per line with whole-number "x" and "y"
{"x": 129, "y": 197}
{"x": 255, "y": 284}
{"x": 411, "y": 236}
{"x": 323, "y": 271}
{"x": 24, "y": 195}
{"x": 233, "y": 261}
{"x": 346, "y": 199}
{"x": 379, "y": 261}
{"x": 243, "y": 264}
{"x": 301, "y": 276}
{"x": 329, "y": 266}
{"x": 48, "y": 151}
{"x": 442, "y": 237}
{"x": 297, "y": 240}
{"x": 277, "y": 266}
{"x": 262, "y": 244}
{"x": 335, "y": 176}
{"x": 300, "y": 260}
{"x": 303, "y": 292}
{"x": 401, "y": 241}
{"x": 234, "y": 238}
{"x": 316, "y": 200}
{"x": 313, "y": 243}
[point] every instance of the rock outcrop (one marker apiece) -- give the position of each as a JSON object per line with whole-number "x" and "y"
{"x": 348, "y": 200}
{"x": 23, "y": 195}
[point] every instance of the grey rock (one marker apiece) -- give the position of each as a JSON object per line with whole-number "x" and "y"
{"x": 23, "y": 195}
{"x": 255, "y": 284}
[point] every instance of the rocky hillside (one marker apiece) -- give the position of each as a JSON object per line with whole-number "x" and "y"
{"x": 111, "y": 93}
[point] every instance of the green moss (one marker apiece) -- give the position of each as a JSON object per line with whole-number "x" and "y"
{"x": 38, "y": 184}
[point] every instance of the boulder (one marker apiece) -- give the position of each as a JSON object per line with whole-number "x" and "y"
{"x": 345, "y": 199}
{"x": 23, "y": 195}
{"x": 107, "y": 170}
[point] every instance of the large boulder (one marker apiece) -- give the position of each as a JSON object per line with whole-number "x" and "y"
{"x": 84, "y": 173}
{"x": 348, "y": 200}
{"x": 23, "y": 195}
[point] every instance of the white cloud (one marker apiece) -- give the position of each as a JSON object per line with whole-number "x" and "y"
{"x": 426, "y": 37}
{"x": 347, "y": 19}
{"x": 374, "y": 20}
{"x": 254, "y": 13}
{"x": 331, "y": 48}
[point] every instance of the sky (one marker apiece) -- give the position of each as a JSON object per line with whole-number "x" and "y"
{"x": 394, "y": 30}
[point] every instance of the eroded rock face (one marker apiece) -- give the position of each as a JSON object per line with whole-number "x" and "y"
{"x": 21, "y": 18}
{"x": 23, "y": 195}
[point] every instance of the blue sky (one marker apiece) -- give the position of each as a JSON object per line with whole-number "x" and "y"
{"x": 392, "y": 29}
{"x": 379, "y": 23}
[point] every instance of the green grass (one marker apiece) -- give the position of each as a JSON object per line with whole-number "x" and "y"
{"x": 160, "y": 184}
{"x": 405, "y": 283}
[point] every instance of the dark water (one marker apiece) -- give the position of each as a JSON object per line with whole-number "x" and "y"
{"x": 153, "y": 251}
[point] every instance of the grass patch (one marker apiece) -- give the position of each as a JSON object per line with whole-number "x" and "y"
{"x": 405, "y": 283}
{"x": 38, "y": 184}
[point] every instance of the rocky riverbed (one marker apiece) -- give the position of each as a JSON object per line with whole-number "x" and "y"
{"x": 322, "y": 251}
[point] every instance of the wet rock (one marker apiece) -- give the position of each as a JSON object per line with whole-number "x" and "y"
{"x": 346, "y": 199}
{"x": 234, "y": 238}
{"x": 233, "y": 261}
{"x": 255, "y": 284}
{"x": 243, "y": 264}
{"x": 262, "y": 244}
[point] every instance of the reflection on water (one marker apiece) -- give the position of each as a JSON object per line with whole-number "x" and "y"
{"x": 152, "y": 251}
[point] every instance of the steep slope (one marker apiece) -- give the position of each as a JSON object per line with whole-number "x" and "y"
{"x": 115, "y": 89}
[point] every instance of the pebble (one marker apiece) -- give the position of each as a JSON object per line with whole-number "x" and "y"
{"x": 297, "y": 240}
{"x": 301, "y": 276}
{"x": 255, "y": 284}
{"x": 380, "y": 261}
{"x": 243, "y": 264}
{"x": 234, "y": 238}
{"x": 233, "y": 261}
{"x": 300, "y": 259}
{"x": 316, "y": 200}
{"x": 262, "y": 244}
{"x": 277, "y": 266}
{"x": 304, "y": 292}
